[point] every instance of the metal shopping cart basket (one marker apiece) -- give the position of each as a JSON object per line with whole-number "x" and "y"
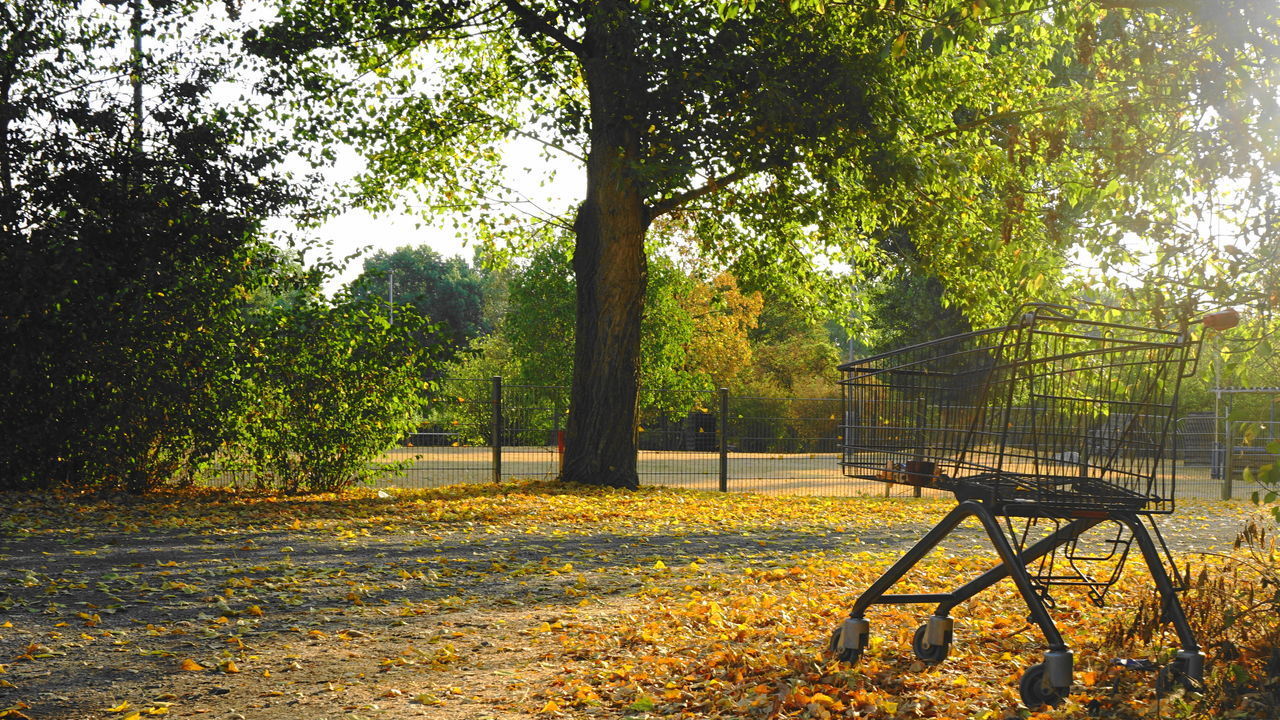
{"x": 1053, "y": 422}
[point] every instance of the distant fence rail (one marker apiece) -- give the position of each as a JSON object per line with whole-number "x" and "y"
{"x": 485, "y": 430}
{"x": 704, "y": 439}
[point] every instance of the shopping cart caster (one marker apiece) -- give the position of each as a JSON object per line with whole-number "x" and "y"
{"x": 849, "y": 639}
{"x": 1035, "y": 690}
{"x": 1185, "y": 671}
{"x": 932, "y": 640}
{"x": 1047, "y": 683}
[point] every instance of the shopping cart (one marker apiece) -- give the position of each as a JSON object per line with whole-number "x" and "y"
{"x": 1054, "y": 423}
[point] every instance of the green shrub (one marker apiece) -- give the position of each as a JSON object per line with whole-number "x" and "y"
{"x": 336, "y": 386}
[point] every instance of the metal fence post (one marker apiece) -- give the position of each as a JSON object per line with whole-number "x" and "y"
{"x": 920, "y": 423}
{"x": 555, "y": 416}
{"x": 724, "y": 439}
{"x": 496, "y": 430}
{"x": 558, "y": 437}
{"x": 1229, "y": 442}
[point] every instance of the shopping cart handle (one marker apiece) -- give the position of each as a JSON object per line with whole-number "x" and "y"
{"x": 1221, "y": 320}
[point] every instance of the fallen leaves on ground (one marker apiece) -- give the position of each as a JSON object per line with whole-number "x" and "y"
{"x": 523, "y": 599}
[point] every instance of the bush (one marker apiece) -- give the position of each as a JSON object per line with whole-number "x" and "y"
{"x": 126, "y": 259}
{"x": 336, "y": 386}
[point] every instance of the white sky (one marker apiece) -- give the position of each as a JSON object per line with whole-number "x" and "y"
{"x": 357, "y": 230}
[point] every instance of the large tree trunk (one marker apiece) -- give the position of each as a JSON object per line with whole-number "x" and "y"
{"x": 609, "y": 263}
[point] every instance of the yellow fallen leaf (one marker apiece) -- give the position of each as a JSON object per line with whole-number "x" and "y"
{"x": 135, "y": 715}
{"x": 254, "y": 610}
{"x": 120, "y": 708}
{"x": 659, "y": 565}
{"x": 551, "y": 707}
{"x": 889, "y": 707}
{"x": 6, "y": 624}
{"x": 190, "y": 665}
{"x": 229, "y": 667}
{"x": 157, "y": 710}
{"x": 14, "y": 712}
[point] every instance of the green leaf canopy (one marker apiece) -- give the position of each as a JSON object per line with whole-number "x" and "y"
{"x": 794, "y": 140}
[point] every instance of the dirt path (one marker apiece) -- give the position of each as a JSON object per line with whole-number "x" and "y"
{"x": 365, "y": 618}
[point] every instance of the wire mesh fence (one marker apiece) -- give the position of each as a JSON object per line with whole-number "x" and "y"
{"x": 1216, "y": 458}
{"x": 715, "y": 440}
{"x": 678, "y": 438}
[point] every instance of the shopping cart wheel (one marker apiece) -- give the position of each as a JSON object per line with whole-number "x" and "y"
{"x": 1173, "y": 676}
{"x": 847, "y": 654}
{"x": 1036, "y": 692}
{"x": 928, "y": 654}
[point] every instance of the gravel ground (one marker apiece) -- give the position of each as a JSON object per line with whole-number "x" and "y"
{"x": 438, "y": 624}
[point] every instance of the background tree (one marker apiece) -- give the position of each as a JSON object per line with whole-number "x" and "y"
{"x": 448, "y": 292}
{"x": 128, "y": 256}
{"x": 906, "y": 308}
{"x": 150, "y": 331}
{"x": 793, "y": 352}
{"x": 539, "y": 320}
{"x": 723, "y": 316}
{"x": 534, "y": 341}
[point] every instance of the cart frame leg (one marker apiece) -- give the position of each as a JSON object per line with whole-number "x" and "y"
{"x": 1058, "y": 659}
{"x": 1035, "y": 603}
{"x": 1034, "y": 552}
{"x": 1190, "y": 657}
{"x": 874, "y": 594}
{"x": 1012, "y": 566}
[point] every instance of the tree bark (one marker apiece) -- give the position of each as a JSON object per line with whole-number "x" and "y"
{"x": 610, "y": 265}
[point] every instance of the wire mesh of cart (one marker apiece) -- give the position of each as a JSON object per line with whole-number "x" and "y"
{"x": 1056, "y": 420}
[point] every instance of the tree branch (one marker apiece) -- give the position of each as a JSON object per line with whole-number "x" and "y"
{"x": 1186, "y": 5}
{"x": 674, "y": 202}
{"x": 533, "y": 21}
{"x": 517, "y": 130}
{"x": 996, "y": 118}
